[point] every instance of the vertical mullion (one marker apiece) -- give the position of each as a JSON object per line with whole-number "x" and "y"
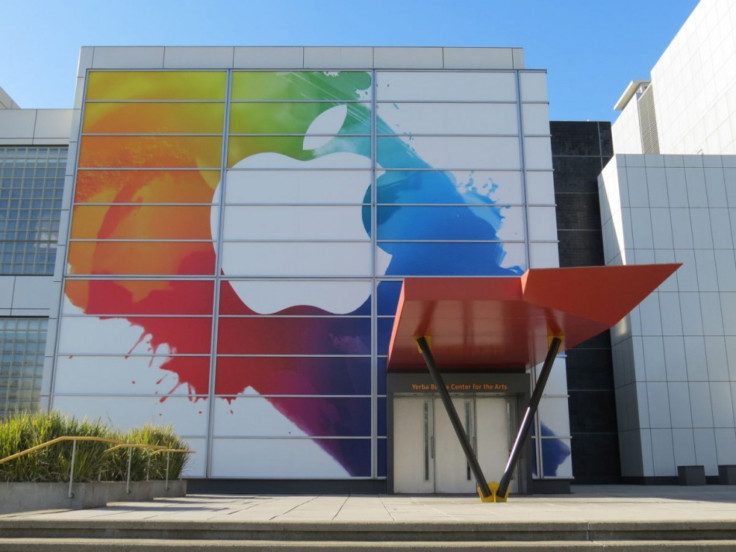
{"x": 375, "y": 282}
{"x": 217, "y": 280}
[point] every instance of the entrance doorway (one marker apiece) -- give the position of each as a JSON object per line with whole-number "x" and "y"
{"x": 427, "y": 455}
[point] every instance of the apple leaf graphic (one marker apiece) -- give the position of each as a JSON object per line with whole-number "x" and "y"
{"x": 324, "y": 127}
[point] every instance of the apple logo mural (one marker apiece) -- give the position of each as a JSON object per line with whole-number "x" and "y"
{"x": 328, "y": 252}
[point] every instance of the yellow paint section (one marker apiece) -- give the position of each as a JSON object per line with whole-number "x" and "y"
{"x": 156, "y": 85}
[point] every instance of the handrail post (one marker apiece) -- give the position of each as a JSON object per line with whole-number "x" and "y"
{"x": 71, "y": 469}
{"x": 166, "y": 487}
{"x": 130, "y": 461}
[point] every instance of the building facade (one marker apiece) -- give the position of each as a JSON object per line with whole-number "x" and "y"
{"x": 224, "y": 249}
{"x": 237, "y": 224}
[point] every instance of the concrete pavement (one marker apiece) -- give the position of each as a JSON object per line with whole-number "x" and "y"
{"x": 591, "y": 518}
{"x": 620, "y": 503}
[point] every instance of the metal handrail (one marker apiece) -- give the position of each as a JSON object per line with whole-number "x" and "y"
{"x": 117, "y": 445}
{"x": 58, "y": 440}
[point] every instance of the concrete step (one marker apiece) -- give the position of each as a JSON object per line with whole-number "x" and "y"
{"x": 188, "y": 545}
{"x": 30, "y": 534}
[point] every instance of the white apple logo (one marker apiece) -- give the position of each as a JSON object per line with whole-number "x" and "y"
{"x": 325, "y": 209}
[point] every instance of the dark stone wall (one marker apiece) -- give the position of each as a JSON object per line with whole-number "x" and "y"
{"x": 580, "y": 150}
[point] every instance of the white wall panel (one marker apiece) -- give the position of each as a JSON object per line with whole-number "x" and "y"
{"x": 196, "y": 463}
{"x": 641, "y": 228}
{"x": 302, "y": 223}
{"x": 538, "y": 153}
{"x": 674, "y": 357}
{"x": 453, "y": 87}
{"x": 119, "y": 375}
{"x": 535, "y": 118}
{"x": 540, "y": 188}
{"x": 684, "y": 447}
{"x": 662, "y": 452}
{"x": 705, "y": 449}
{"x": 542, "y": 223}
{"x": 715, "y": 186}
{"x": 700, "y": 222}
{"x": 721, "y": 404}
{"x": 661, "y": 229}
{"x": 697, "y": 362}
{"x": 676, "y": 187}
{"x": 302, "y": 187}
{"x": 721, "y": 228}
{"x": 533, "y": 86}
{"x": 297, "y": 259}
{"x": 123, "y": 413}
{"x": 715, "y": 349}
{"x": 270, "y": 296}
{"x": 657, "y": 187}
{"x": 725, "y": 445}
{"x": 654, "y": 358}
{"x": 450, "y": 119}
{"x": 696, "y": 191}
{"x": 710, "y": 303}
{"x": 272, "y": 458}
{"x": 659, "y": 405}
{"x": 705, "y": 263}
{"x": 679, "y": 397}
{"x": 114, "y": 57}
{"x": 457, "y": 152}
{"x": 700, "y": 399}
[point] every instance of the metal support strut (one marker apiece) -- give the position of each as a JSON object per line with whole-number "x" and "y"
{"x": 457, "y": 425}
{"x": 526, "y": 423}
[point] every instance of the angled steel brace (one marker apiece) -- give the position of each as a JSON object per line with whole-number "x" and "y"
{"x": 483, "y": 488}
{"x": 502, "y": 491}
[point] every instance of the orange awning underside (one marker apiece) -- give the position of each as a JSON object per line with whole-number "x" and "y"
{"x": 504, "y": 323}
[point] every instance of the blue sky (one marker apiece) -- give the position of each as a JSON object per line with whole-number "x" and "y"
{"x": 591, "y": 48}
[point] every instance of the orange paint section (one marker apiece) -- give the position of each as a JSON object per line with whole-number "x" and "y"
{"x": 154, "y": 118}
{"x": 505, "y": 323}
{"x": 145, "y": 186}
{"x": 150, "y": 151}
{"x": 142, "y": 258}
{"x": 151, "y": 222}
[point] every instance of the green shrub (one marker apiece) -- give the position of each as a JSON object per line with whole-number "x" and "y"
{"x": 146, "y": 463}
{"x": 92, "y": 462}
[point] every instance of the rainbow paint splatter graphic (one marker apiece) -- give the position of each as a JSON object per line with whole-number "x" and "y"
{"x": 253, "y": 228}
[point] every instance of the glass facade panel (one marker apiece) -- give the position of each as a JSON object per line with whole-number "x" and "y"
{"x": 156, "y": 85}
{"x": 153, "y": 186}
{"x": 31, "y": 187}
{"x": 22, "y": 346}
{"x": 151, "y": 222}
{"x": 154, "y": 118}
{"x": 301, "y": 85}
{"x": 280, "y": 117}
{"x": 142, "y": 258}
{"x": 150, "y": 151}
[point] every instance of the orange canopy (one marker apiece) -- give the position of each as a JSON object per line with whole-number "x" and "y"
{"x": 504, "y": 323}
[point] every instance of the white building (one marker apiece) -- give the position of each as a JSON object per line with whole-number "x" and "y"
{"x": 669, "y": 194}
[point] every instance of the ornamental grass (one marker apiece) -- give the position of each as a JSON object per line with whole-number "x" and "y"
{"x": 92, "y": 462}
